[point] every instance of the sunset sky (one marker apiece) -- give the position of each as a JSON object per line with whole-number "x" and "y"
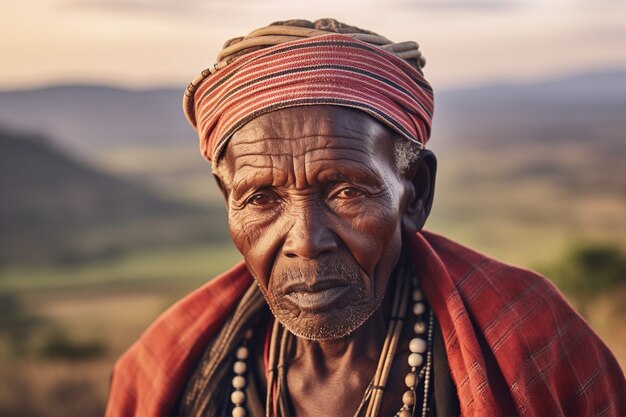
{"x": 146, "y": 43}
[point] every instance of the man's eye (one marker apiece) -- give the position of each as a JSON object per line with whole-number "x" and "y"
{"x": 260, "y": 199}
{"x": 349, "y": 193}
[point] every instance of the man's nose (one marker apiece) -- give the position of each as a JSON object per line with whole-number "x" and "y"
{"x": 310, "y": 235}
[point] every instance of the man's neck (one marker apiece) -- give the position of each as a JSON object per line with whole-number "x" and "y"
{"x": 364, "y": 344}
{"x": 330, "y": 377}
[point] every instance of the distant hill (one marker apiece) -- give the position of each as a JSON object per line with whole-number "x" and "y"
{"x": 55, "y": 208}
{"x": 583, "y": 108}
{"x": 90, "y": 118}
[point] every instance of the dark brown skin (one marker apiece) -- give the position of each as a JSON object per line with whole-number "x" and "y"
{"x": 318, "y": 211}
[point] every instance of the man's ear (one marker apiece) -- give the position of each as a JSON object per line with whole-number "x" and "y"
{"x": 421, "y": 176}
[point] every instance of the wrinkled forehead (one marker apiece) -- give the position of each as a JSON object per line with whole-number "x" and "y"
{"x": 294, "y": 131}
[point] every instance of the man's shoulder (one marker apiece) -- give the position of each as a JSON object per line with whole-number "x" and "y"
{"x": 464, "y": 264}
{"x": 506, "y": 326}
{"x": 502, "y": 297}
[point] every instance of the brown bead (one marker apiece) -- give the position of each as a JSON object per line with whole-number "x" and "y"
{"x": 239, "y": 367}
{"x": 239, "y": 411}
{"x": 408, "y": 398}
{"x": 415, "y": 359}
{"x": 239, "y": 382}
{"x": 238, "y": 397}
{"x": 410, "y": 379}
{"x": 420, "y": 327}
{"x": 242, "y": 353}
{"x": 419, "y": 308}
{"x": 404, "y": 413}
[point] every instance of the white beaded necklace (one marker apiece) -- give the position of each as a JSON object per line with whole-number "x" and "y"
{"x": 416, "y": 361}
{"x": 418, "y": 348}
{"x": 240, "y": 367}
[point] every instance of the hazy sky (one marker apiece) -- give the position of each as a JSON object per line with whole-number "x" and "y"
{"x": 143, "y": 43}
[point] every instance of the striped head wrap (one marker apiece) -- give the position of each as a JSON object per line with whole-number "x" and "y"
{"x": 331, "y": 69}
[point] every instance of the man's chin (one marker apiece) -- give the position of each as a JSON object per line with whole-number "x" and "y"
{"x": 324, "y": 325}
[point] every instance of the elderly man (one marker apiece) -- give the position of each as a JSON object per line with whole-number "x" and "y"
{"x": 343, "y": 305}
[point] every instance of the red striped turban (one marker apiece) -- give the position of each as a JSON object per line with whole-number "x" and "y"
{"x": 329, "y": 69}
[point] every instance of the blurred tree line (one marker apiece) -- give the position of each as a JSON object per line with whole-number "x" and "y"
{"x": 588, "y": 270}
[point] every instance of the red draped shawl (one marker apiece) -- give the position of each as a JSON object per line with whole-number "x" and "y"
{"x": 514, "y": 345}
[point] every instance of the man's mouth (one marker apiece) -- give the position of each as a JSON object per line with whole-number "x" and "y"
{"x": 316, "y": 297}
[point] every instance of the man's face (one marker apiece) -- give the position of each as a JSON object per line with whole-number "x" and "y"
{"x": 315, "y": 207}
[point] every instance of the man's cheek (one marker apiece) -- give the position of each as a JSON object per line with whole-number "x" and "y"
{"x": 374, "y": 229}
{"x": 375, "y": 218}
{"x": 372, "y": 244}
{"x": 243, "y": 232}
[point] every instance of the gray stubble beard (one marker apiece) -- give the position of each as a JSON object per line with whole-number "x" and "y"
{"x": 351, "y": 317}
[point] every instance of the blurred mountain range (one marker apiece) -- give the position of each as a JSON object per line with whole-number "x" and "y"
{"x": 90, "y": 118}
{"x": 587, "y": 108}
{"x": 90, "y": 171}
{"x": 56, "y": 208}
